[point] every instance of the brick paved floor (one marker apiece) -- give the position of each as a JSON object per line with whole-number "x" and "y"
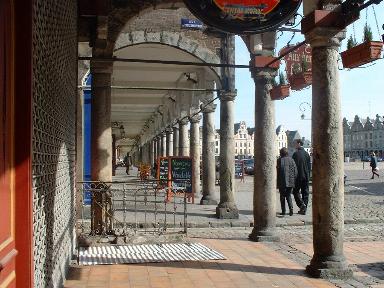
{"x": 248, "y": 265}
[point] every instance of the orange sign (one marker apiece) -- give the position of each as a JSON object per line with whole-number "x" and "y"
{"x": 247, "y": 7}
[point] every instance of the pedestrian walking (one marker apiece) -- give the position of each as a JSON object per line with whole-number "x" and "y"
{"x": 303, "y": 164}
{"x": 127, "y": 162}
{"x": 373, "y": 165}
{"x": 286, "y": 178}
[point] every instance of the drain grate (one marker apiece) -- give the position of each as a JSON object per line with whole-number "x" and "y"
{"x": 122, "y": 254}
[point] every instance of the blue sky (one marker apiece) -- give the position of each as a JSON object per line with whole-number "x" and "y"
{"x": 362, "y": 90}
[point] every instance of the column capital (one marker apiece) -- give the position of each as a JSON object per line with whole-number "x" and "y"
{"x": 175, "y": 127}
{"x": 98, "y": 66}
{"x": 325, "y": 37}
{"x": 227, "y": 95}
{"x": 210, "y": 108}
{"x": 169, "y": 130}
{"x": 195, "y": 118}
{"x": 265, "y": 73}
{"x": 184, "y": 121}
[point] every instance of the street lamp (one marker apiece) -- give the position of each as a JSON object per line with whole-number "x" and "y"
{"x": 304, "y": 106}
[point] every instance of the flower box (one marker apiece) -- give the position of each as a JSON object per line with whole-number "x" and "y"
{"x": 280, "y": 92}
{"x": 301, "y": 80}
{"x": 362, "y": 54}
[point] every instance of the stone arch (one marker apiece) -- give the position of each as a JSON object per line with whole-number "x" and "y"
{"x": 172, "y": 39}
{"x": 126, "y": 10}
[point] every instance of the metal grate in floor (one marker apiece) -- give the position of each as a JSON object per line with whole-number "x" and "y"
{"x": 123, "y": 254}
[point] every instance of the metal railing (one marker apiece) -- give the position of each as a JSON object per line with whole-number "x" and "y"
{"x": 120, "y": 209}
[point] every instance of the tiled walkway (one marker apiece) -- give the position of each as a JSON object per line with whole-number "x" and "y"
{"x": 248, "y": 265}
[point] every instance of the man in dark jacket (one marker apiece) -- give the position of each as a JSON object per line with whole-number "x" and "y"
{"x": 303, "y": 164}
{"x": 286, "y": 178}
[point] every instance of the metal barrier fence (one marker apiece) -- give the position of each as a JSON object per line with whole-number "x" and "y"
{"x": 128, "y": 208}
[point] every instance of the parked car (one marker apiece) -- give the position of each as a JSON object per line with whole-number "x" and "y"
{"x": 366, "y": 159}
{"x": 379, "y": 159}
{"x": 249, "y": 166}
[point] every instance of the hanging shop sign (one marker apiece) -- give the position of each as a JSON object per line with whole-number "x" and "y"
{"x": 298, "y": 66}
{"x": 244, "y": 16}
{"x": 191, "y": 23}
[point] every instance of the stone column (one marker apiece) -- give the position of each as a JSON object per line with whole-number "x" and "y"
{"x": 101, "y": 121}
{"x": 163, "y": 144}
{"x": 264, "y": 193}
{"x": 151, "y": 152}
{"x": 169, "y": 142}
{"x": 227, "y": 208}
{"x": 159, "y": 149}
{"x": 195, "y": 152}
{"x": 175, "y": 141}
{"x": 183, "y": 138}
{"x": 101, "y": 146}
{"x": 113, "y": 154}
{"x": 208, "y": 157}
{"x": 328, "y": 164}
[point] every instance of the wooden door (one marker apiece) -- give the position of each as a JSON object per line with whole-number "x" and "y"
{"x": 7, "y": 216}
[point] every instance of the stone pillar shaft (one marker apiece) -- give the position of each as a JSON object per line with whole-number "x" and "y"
{"x": 163, "y": 145}
{"x": 151, "y": 152}
{"x": 328, "y": 163}
{"x": 264, "y": 195}
{"x": 183, "y": 138}
{"x": 101, "y": 122}
{"x": 176, "y": 141}
{"x": 208, "y": 157}
{"x": 169, "y": 142}
{"x": 227, "y": 207}
{"x": 195, "y": 152}
{"x": 159, "y": 149}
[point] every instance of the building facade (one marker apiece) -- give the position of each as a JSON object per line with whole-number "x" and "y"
{"x": 244, "y": 140}
{"x": 363, "y": 136}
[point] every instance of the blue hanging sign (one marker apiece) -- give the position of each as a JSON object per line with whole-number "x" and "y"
{"x": 191, "y": 23}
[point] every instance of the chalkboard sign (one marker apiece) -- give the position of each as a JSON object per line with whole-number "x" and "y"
{"x": 163, "y": 171}
{"x": 181, "y": 174}
{"x": 239, "y": 169}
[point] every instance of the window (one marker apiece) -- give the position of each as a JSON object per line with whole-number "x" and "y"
{"x": 217, "y": 150}
{"x": 241, "y": 151}
{"x": 217, "y": 143}
{"x": 241, "y": 144}
{"x": 235, "y": 151}
{"x": 249, "y": 144}
{"x": 249, "y": 151}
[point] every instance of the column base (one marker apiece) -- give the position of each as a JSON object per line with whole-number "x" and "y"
{"x": 227, "y": 211}
{"x": 269, "y": 235}
{"x": 206, "y": 200}
{"x": 334, "y": 268}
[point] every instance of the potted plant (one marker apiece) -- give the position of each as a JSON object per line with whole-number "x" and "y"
{"x": 357, "y": 55}
{"x": 301, "y": 75}
{"x": 280, "y": 90}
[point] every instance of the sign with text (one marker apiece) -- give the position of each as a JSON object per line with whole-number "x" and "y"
{"x": 244, "y": 16}
{"x": 181, "y": 174}
{"x": 295, "y": 59}
{"x": 239, "y": 169}
{"x": 163, "y": 171}
{"x": 191, "y": 23}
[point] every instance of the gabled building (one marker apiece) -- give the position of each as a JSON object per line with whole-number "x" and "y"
{"x": 363, "y": 136}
